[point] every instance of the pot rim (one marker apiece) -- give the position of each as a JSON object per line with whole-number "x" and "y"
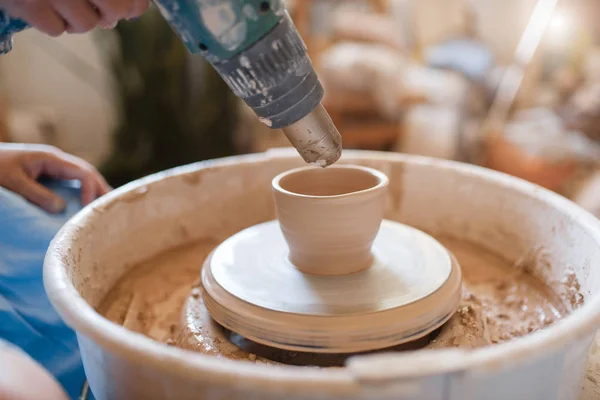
{"x": 78, "y": 314}
{"x": 381, "y": 177}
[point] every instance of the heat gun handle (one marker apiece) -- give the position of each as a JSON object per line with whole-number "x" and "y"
{"x": 8, "y": 27}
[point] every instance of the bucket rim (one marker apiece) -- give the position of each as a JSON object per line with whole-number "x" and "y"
{"x": 581, "y": 324}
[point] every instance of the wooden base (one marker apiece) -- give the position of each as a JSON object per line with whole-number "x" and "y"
{"x": 251, "y": 288}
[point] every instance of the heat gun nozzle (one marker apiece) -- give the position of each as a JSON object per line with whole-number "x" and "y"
{"x": 316, "y": 138}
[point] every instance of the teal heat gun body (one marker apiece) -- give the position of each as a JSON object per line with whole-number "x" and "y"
{"x": 258, "y": 51}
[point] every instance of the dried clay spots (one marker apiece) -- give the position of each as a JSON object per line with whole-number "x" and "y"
{"x": 499, "y": 303}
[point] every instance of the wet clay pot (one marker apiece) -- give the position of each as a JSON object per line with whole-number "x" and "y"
{"x": 216, "y": 199}
{"x": 330, "y": 217}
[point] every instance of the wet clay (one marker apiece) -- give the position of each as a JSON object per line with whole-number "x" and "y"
{"x": 313, "y": 206}
{"x": 499, "y": 303}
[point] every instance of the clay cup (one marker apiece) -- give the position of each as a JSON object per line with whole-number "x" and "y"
{"x": 330, "y": 216}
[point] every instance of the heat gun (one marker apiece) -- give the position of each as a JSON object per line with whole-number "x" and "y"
{"x": 256, "y": 49}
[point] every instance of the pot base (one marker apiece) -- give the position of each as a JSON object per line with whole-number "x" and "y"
{"x": 252, "y": 289}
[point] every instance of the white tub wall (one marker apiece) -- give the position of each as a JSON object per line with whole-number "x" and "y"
{"x": 178, "y": 209}
{"x": 39, "y": 72}
{"x": 562, "y": 374}
{"x": 575, "y": 372}
{"x": 109, "y": 374}
{"x": 591, "y": 384}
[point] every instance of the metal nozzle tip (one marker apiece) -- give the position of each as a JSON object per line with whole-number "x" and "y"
{"x": 330, "y": 157}
{"x": 316, "y": 138}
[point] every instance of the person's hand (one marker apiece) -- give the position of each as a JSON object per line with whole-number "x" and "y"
{"x": 21, "y": 165}
{"x": 54, "y": 17}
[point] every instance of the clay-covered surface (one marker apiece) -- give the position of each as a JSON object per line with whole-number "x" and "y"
{"x": 162, "y": 299}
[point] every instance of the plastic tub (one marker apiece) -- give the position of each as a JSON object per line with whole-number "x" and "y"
{"x": 559, "y": 241}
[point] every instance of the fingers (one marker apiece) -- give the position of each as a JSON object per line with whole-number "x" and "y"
{"x": 76, "y": 16}
{"x": 137, "y": 8}
{"x": 38, "y": 194}
{"x": 111, "y": 11}
{"x": 103, "y": 186}
{"x": 79, "y": 15}
{"x": 89, "y": 190}
{"x": 22, "y": 165}
{"x": 43, "y": 17}
{"x": 92, "y": 181}
{"x": 63, "y": 166}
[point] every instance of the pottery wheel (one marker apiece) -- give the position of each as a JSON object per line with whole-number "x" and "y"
{"x": 251, "y": 288}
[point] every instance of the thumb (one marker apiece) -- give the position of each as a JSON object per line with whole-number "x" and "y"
{"x": 40, "y": 195}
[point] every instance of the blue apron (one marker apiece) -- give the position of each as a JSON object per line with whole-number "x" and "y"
{"x": 26, "y": 317}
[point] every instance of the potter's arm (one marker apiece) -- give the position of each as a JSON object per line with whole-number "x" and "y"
{"x": 257, "y": 50}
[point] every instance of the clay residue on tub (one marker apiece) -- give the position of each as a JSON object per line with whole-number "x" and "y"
{"x": 538, "y": 263}
{"x": 129, "y": 197}
{"x": 149, "y": 298}
{"x": 194, "y": 178}
{"x": 499, "y": 304}
{"x": 134, "y": 195}
{"x": 572, "y": 290}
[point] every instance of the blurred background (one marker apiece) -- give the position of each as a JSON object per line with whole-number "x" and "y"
{"x": 512, "y": 85}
